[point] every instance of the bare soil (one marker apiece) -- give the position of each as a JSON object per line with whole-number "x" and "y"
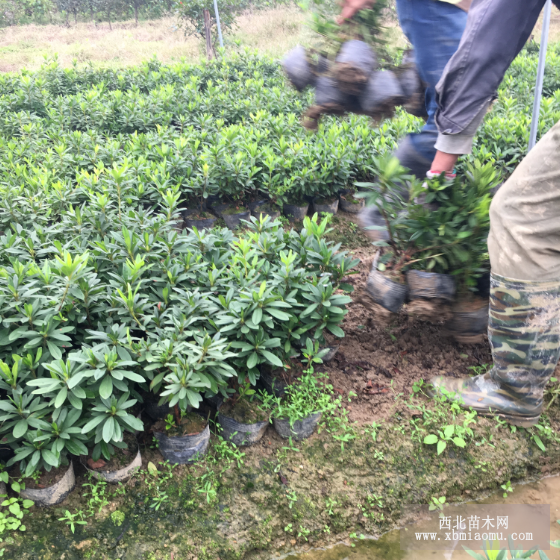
{"x": 379, "y": 359}
{"x": 244, "y": 411}
{"x": 45, "y": 480}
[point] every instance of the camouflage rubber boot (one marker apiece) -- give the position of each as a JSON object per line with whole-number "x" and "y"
{"x": 524, "y": 334}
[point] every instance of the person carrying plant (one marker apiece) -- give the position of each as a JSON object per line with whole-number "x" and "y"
{"x": 524, "y": 241}
{"x": 434, "y": 28}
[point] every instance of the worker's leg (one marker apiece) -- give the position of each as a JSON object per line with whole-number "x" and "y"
{"x": 434, "y": 30}
{"x": 524, "y": 318}
{"x": 524, "y": 241}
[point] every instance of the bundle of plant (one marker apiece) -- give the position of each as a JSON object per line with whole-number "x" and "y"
{"x": 448, "y": 253}
{"x": 241, "y": 417}
{"x": 298, "y": 411}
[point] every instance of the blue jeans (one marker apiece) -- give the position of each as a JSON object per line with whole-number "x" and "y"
{"x": 434, "y": 28}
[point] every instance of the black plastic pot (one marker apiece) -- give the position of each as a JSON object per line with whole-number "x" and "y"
{"x": 156, "y": 411}
{"x": 469, "y": 325}
{"x": 329, "y": 356}
{"x": 182, "y": 450}
{"x": 234, "y": 220}
{"x": 295, "y": 212}
{"x": 354, "y": 64}
{"x": 273, "y": 385}
{"x": 53, "y": 495}
{"x": 205, "y": 223}
{"x": 6, "y": 453}
{"x": 350, "y": 207}
{"x": 301, "y": 429}
{"x": 482, "y": 286}
{"x": 255, "y": 204}
{"x": 239, "y": 433}
{"x": 324, "y": 206}
{"x": 430, "y": 285}
{"x": 409, "y": 79}
{"x": 264, "y": 211}
{"x": 297, "y": 68}
{"x": 120, "y": 475}
{"x": 382, "y": 93}
{"x": 322, "y": 65}
{"x": 219, "y": 207}
{"x": 214, "y": 401}
{"x": 327, "y": 92}
{"x": 390, "y": 295}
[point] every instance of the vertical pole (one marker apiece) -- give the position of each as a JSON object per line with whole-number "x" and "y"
{"x": 208, "y": 35}
{"x": 218, "y": 24}
{"x": 540, "y": 75}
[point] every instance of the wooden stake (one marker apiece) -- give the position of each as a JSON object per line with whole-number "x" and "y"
{"x": 207, "y": 32}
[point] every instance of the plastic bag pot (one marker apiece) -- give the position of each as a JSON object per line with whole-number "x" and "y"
{"x": 156, "y": 411}
{"x": 430, "y": 285}
{"x": 264, "y": 211}
{"x": 295, "y": 212}
{"x": 387, "y": 293}
{"x": 328, "y": 93}
{"x": 409, "y": 79}
{"x": 382, "y": 93}
{"x": 239, "y": 433}
{"x": 182, "y": 450}
{"x": 53, "y": 495}
{"x": 6, "y": 453}
{"x": 324, "y": 206}
{"x": 351, "y": 207}
{"x": 272, "y": 384}
{"x": 329, "y": 356}
{"x": 234, "y": 220}
{"x": 301, "y": 429}
{"x": 218, "y": 208}
{"x": 297, "y": 68}
{"x": 215, "y": 400}
{"x": 255, "y": 204}
{"x": 469, "y": 324}
{"x": 354, "y": 64}
{"x": 120, "y": 475}
{"x": 205, "y": 223}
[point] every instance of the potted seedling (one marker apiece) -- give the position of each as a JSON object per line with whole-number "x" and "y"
{"x": 241, "y": 417}
{"x": 123, "y": 463}
{"x": 386, "y": 283}
{"x": 349, "y": 202}
{"x": 298, "y": 68}
{"x": 295, "y": 209}
{"x": 299, "y": 410}
{"x": 43, "y": 455}
{"x": 201, "y": 366}
{"x": 183, "y": 436}
{"x": 200, "y": 188}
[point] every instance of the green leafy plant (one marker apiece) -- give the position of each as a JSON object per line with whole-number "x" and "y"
{"x": 73, "y": 519}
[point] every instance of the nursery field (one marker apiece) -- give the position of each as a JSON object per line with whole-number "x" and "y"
{"x": 173, "y": 287}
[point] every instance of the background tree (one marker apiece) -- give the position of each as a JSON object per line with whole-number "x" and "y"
{"x": 191, "y": 16}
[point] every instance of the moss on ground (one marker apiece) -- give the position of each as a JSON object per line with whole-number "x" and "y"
{"x": 283, "y": 497}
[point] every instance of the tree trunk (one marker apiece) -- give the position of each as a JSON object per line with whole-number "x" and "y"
{"x": 136, "y": 13}
{"x": 109, "y": 18}
{"x": 210, "y": 54}
{"x": 75, "y": 16}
